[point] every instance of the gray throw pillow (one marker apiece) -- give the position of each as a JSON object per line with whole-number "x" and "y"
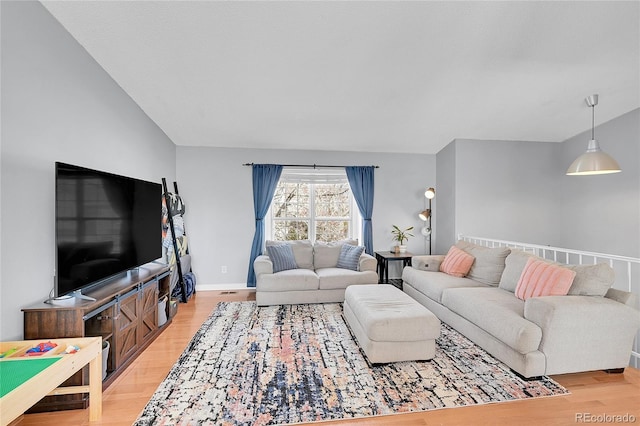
{"x": 325, "y": 255}
{"x": 514, "y": 265}
{"x": 489, "y": 263}
{"x": 302, "y": 251}
{"x": 281, "y": 256}
{"x": 349, "y": 257}
{"x": 591, "y": 280}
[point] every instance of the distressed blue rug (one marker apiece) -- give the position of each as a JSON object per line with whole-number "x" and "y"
{"x": 300, "y": 363}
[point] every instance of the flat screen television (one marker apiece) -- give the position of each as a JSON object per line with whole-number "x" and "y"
{"x": 106, "y": 224}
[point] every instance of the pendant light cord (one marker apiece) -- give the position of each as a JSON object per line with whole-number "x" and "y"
{"x": 593, "y": 113}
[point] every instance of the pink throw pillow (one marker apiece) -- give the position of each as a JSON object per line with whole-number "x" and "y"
{"x": 457, "y": 262}
{"x": 540, "y": 278}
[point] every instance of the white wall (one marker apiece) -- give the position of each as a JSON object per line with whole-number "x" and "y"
{"x": 498, "y": 189}
{"x": 507, "y": 190}
{"x": 602, "y": 213}
{"x": 57, "y": 105}
{"x": 220, "y": 223}
{"x": 519, "y": 191}
{"x": 444, "y": 203}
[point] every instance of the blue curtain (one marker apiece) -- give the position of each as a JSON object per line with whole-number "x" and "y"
{"x": 361, "y": 182}
{"x": 265, "y": 180}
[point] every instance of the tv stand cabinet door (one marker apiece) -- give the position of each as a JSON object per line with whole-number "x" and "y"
{"x": 127, "y": 318}
{"x": 149, "y": 310}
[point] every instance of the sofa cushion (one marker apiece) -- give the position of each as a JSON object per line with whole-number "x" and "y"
{"x": 498, "y": 312}
{"x": 489, "y": 263}
{"x": 334, "y": 278}
{"x": 349, "y": 257}
{"x": 281, "y": 256}
{"x": 540, "y": 278}
{"x": 457, "y": 262}
{"x": 432, "y": 284}
{"x": 302, "y": 251}
{"x": 592, "y": 280}
{"x": 292, "y": 279}
{"x": 325, "y": 255}
{"x": 621, "y": 296}
{"x": 427, "y": 262}
{"x": 513, "y": 267}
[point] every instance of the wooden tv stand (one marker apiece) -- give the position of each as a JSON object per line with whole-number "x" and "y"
{"x": 125, "y": 314}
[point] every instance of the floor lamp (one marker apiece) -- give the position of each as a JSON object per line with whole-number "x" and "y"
{"x": 426, "y": 216}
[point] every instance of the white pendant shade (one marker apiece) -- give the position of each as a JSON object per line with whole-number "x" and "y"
{"x": 593, "y": 162}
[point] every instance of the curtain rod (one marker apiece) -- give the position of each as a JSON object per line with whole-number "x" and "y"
{"x": 308, "y": 165}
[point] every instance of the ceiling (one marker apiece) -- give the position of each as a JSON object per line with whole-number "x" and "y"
{"x": 382, "y": 76}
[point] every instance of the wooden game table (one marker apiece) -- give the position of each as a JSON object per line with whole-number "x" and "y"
{"x": 27, "y": 378}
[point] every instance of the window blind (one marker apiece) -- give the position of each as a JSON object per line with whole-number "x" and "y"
{"x": 297, "y": 175}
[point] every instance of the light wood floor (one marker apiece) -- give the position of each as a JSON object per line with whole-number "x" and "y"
{"x": 595, "y": 393}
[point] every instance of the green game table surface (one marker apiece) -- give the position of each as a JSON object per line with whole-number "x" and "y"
{"x": 14, "y": 372}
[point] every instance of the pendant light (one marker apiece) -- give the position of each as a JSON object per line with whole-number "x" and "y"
{"x": 594, "y": 161}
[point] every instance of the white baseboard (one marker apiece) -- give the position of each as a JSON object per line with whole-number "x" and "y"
{"x": 223, "y": 287}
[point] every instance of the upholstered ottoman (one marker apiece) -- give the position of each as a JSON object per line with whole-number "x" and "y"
{"x": 389, "y": 325}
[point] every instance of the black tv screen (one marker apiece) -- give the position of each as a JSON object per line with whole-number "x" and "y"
{"x": 105, "y": 225}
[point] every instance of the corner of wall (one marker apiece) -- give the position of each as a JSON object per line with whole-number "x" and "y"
{"x": 445, "y": 201}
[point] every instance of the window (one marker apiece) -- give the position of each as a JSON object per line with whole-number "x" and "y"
{"x": 313, "y": 204}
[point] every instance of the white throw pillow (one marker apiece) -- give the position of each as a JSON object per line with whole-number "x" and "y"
{"x": 514, "y": 265}
{"x": 489, "y": 264}
{"x": 302, "y": 251}
{"x": 325, "y": 255}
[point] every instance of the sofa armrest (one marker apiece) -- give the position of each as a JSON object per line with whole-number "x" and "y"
{"x": 262, "y": 265}
{"x": 582, "y": 333}
{"x": 428, "y": 262}
{"x": 622, "y": 296}
{"x": 367, "y": 263}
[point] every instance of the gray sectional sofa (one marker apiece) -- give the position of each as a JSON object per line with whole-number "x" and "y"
{"x": 590, "y": 328}
{"x": 317, "y": 279}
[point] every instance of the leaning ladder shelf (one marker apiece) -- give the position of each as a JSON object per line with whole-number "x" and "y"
{"x": 176, "y": 250}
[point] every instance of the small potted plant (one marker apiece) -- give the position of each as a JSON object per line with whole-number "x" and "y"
{"x": 401, "y": 235}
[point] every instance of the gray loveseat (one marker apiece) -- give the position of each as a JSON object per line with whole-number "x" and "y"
{"x": 590, "y": 328}
{"x": 317, "y": 279}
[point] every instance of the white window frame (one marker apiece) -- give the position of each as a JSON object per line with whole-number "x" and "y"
{"x": 318, "y": 176}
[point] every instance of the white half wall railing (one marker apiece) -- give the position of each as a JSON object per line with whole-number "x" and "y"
{"x": 627, "y": 269}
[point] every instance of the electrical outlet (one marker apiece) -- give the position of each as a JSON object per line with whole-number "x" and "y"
{"x": 223, "y": 269}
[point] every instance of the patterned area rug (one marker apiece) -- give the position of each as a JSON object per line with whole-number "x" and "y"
{"x": 300, "y": 363}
